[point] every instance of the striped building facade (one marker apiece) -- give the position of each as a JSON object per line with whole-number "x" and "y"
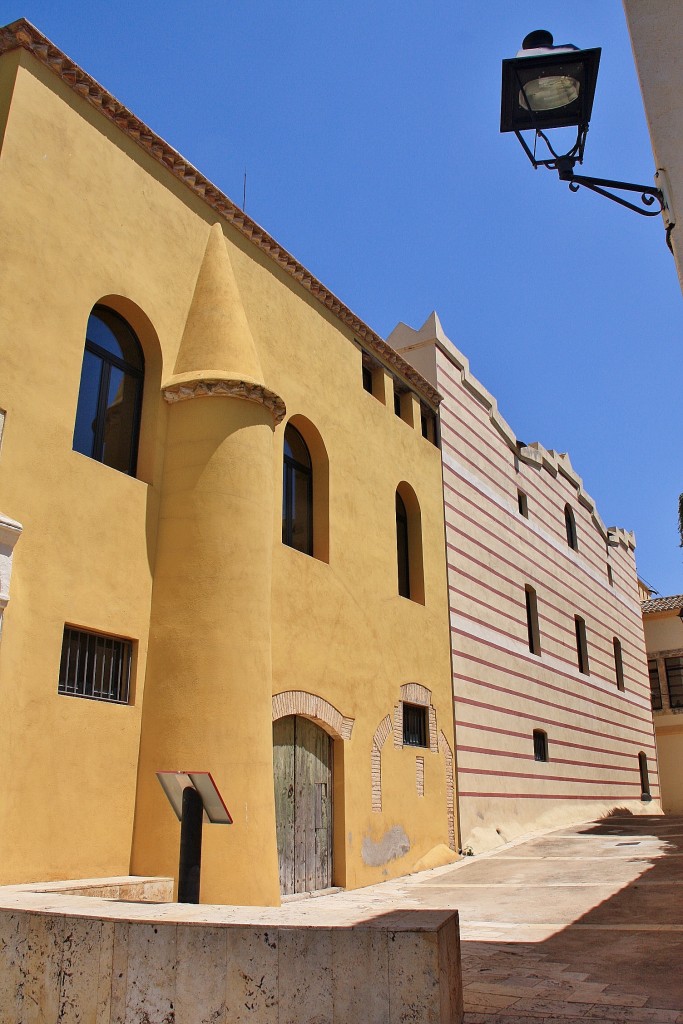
{"x": 551, "y": 691}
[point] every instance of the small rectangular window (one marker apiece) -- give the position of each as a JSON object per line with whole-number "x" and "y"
{"x": 522, "y": 504}
{"x": 610, "y": 577}
{"x": 95, "y": 666}
{"x": 367, "y": 379}
{"x": 618, "y": 663}
{"x": 674, "y": 681}
{"x": 532, "y": 620}
{"x": 414, "y": 725}
{"x": 540, "y": 745}
{"x": 581, "y": 645}
{"x": 655, "y": 688}
{"x": 397, "y": 402}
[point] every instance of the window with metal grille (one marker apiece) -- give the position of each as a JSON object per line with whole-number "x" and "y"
{"x": 414, "y": 725}
{"x": 674, "y": 681}
{"x": 581, "y": 645}
{"x": 95, "y": 666}
{"x": 540, "y": 745}
{"x": 655, "y": 688}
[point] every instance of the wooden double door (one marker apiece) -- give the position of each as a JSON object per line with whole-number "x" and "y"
{"x": 302, "y": 767}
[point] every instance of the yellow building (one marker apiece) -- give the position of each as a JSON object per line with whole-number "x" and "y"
{"x": 223, "y": 522}
{"x": 663, "y": 622}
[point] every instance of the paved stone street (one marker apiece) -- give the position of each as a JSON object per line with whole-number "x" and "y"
{"x": 577, "y": 925}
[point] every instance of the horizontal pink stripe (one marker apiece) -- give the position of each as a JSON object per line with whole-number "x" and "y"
{"x": 490, "y": 752}
{"x": 485, "y": 727}
{"x": 547, "y": 796}
{"x": 536, "y": 777}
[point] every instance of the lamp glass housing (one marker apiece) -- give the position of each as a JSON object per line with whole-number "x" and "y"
{"x": 548, "y": 90}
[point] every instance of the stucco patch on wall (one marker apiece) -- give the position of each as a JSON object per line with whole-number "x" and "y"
{"x": 393, "y": 844}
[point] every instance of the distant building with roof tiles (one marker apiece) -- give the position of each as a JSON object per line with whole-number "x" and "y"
{"x": 663, "y": 622}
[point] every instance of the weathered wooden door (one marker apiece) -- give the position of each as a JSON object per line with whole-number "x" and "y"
{"x": 302, "y": 765}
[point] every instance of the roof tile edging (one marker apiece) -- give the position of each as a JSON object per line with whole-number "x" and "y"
{"x": 22, "y": 34}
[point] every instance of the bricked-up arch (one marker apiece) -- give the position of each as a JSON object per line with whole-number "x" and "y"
{"x": 383, "y": 730}
{"x": 308, "y": 705}
{"x": 445, "y": 747}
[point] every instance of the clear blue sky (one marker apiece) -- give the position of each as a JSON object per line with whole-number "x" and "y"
{"x": 369, "y": 132}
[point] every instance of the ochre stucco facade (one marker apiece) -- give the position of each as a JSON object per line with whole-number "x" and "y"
{"x": 230, "y": 627}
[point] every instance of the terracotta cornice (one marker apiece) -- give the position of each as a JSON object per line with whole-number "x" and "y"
{"x": 23, "y": 34}
{"x": 182, "y": 391}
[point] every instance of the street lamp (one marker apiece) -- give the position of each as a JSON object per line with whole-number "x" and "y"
{"x": 546, "y": 87}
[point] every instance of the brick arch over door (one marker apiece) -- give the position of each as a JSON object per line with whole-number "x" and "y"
{"x": 308, "y": 705}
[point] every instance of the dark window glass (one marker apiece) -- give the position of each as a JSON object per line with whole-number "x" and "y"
{"x": 644, "y": 776}
{"x": 581, "y": 645}
{"x": 655, "y": 688}
{"x": 397, "y": 402}
{"x": 610, "y": 577}
{"x": 522, "y": 504}
{"x": 414, "y": 725}
{"x": 367, "y": 379}
{"x": 618, "y": 663}
{"x": 570, "y": 525}
{"x": 674, "y": 681}
{"x": 532, "y": 620}
{"x": 297, "y": 493}
{"x": 402, "y": 552}
{"x": 95, "y": 666}
{"x": 540, "y": 745}
{"x": 110, "y": 392}
{"x": 424, "y": 424}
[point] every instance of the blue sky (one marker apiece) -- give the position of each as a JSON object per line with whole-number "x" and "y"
{"x": 369, "y": 133}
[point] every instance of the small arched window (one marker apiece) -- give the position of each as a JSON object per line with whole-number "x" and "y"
{"x": 297, "y": 493}
{"x": 110, "y": 395}
{"x": 570, "y": 526}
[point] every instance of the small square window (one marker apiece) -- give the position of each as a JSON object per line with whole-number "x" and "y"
{"x": 95, "y": 666}
{"x": 414, "y": 725}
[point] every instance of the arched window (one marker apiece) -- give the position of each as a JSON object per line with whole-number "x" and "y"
{"x": 540, "y": 745}
{"x": 297, "y": 493}
{"x": 409, "y": 544}
{"x": 581, "y": 645}
{"x": 402, "y": 547}
{"x": 110, "y": 394}
{"x": 570, "y": 525}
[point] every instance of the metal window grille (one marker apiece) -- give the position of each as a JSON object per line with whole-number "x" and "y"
{"x": 414, "y": 725}
{"x": 655, "y": 688}
{"x": 95, "y": 666}
{"x": 540, "y": 745}
{"x": 674, "y": 680}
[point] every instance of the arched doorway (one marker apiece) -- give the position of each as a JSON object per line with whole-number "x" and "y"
{"x": 302, "y": 769}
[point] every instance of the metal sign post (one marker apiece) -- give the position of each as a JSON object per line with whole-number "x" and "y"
{"x": 195, "y": 799}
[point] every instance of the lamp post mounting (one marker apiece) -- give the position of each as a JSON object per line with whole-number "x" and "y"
{"x": 547, "y": 87}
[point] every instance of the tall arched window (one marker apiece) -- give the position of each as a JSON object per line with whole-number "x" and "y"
{"x": 297, "y": 493}
{"x": 618, "y": 663}
{"x": 570, "y": 526}
{"x": 110, "y": 394}
{"x": 409, "y": 544}
{"x": 402, "y": 548}
{"x": 644, "y": 777}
